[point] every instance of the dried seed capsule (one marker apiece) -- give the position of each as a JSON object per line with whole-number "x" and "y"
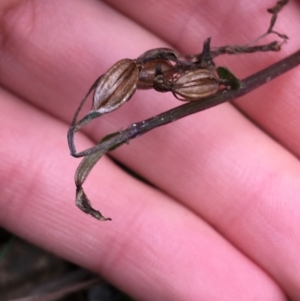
{"x": 148, "y": 72}
{"x": 156, "y": 54}
{"x": 194, "y": 84}
{"x": 116, "y": 86}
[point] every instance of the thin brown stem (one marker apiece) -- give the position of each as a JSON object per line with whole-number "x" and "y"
{"x": 247, "y": 85}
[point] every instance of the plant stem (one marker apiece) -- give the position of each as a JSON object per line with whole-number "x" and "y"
{"x": 247, "y": 85}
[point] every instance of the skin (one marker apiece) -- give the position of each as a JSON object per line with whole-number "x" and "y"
{"x": 222, "y": 219}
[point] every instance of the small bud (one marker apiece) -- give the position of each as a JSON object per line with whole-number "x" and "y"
{"x": 116, "y": 86}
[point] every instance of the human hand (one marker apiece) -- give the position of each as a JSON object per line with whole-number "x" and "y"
{"x": 222, "y": 219}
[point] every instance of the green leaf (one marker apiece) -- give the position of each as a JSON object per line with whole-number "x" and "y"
{"x": 226, "y": 75}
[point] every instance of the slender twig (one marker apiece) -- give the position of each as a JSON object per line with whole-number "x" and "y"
{"x": 62, "y": 292}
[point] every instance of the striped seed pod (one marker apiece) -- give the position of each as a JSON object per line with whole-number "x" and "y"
{"x": 192, "y": 84}
{"x": 116, "y": 86}
{"x": 196, "y": 84}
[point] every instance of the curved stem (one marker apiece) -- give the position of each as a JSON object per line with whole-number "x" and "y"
{"x": 247, "y": 85}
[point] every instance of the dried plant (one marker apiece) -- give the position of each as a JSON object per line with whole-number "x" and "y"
{"x": 192, "y": 78}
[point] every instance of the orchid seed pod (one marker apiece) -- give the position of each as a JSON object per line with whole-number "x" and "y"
{"x": 195, "y": 84}
{"x": 192, "y": 84}
{"x": 116, "y": 86}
